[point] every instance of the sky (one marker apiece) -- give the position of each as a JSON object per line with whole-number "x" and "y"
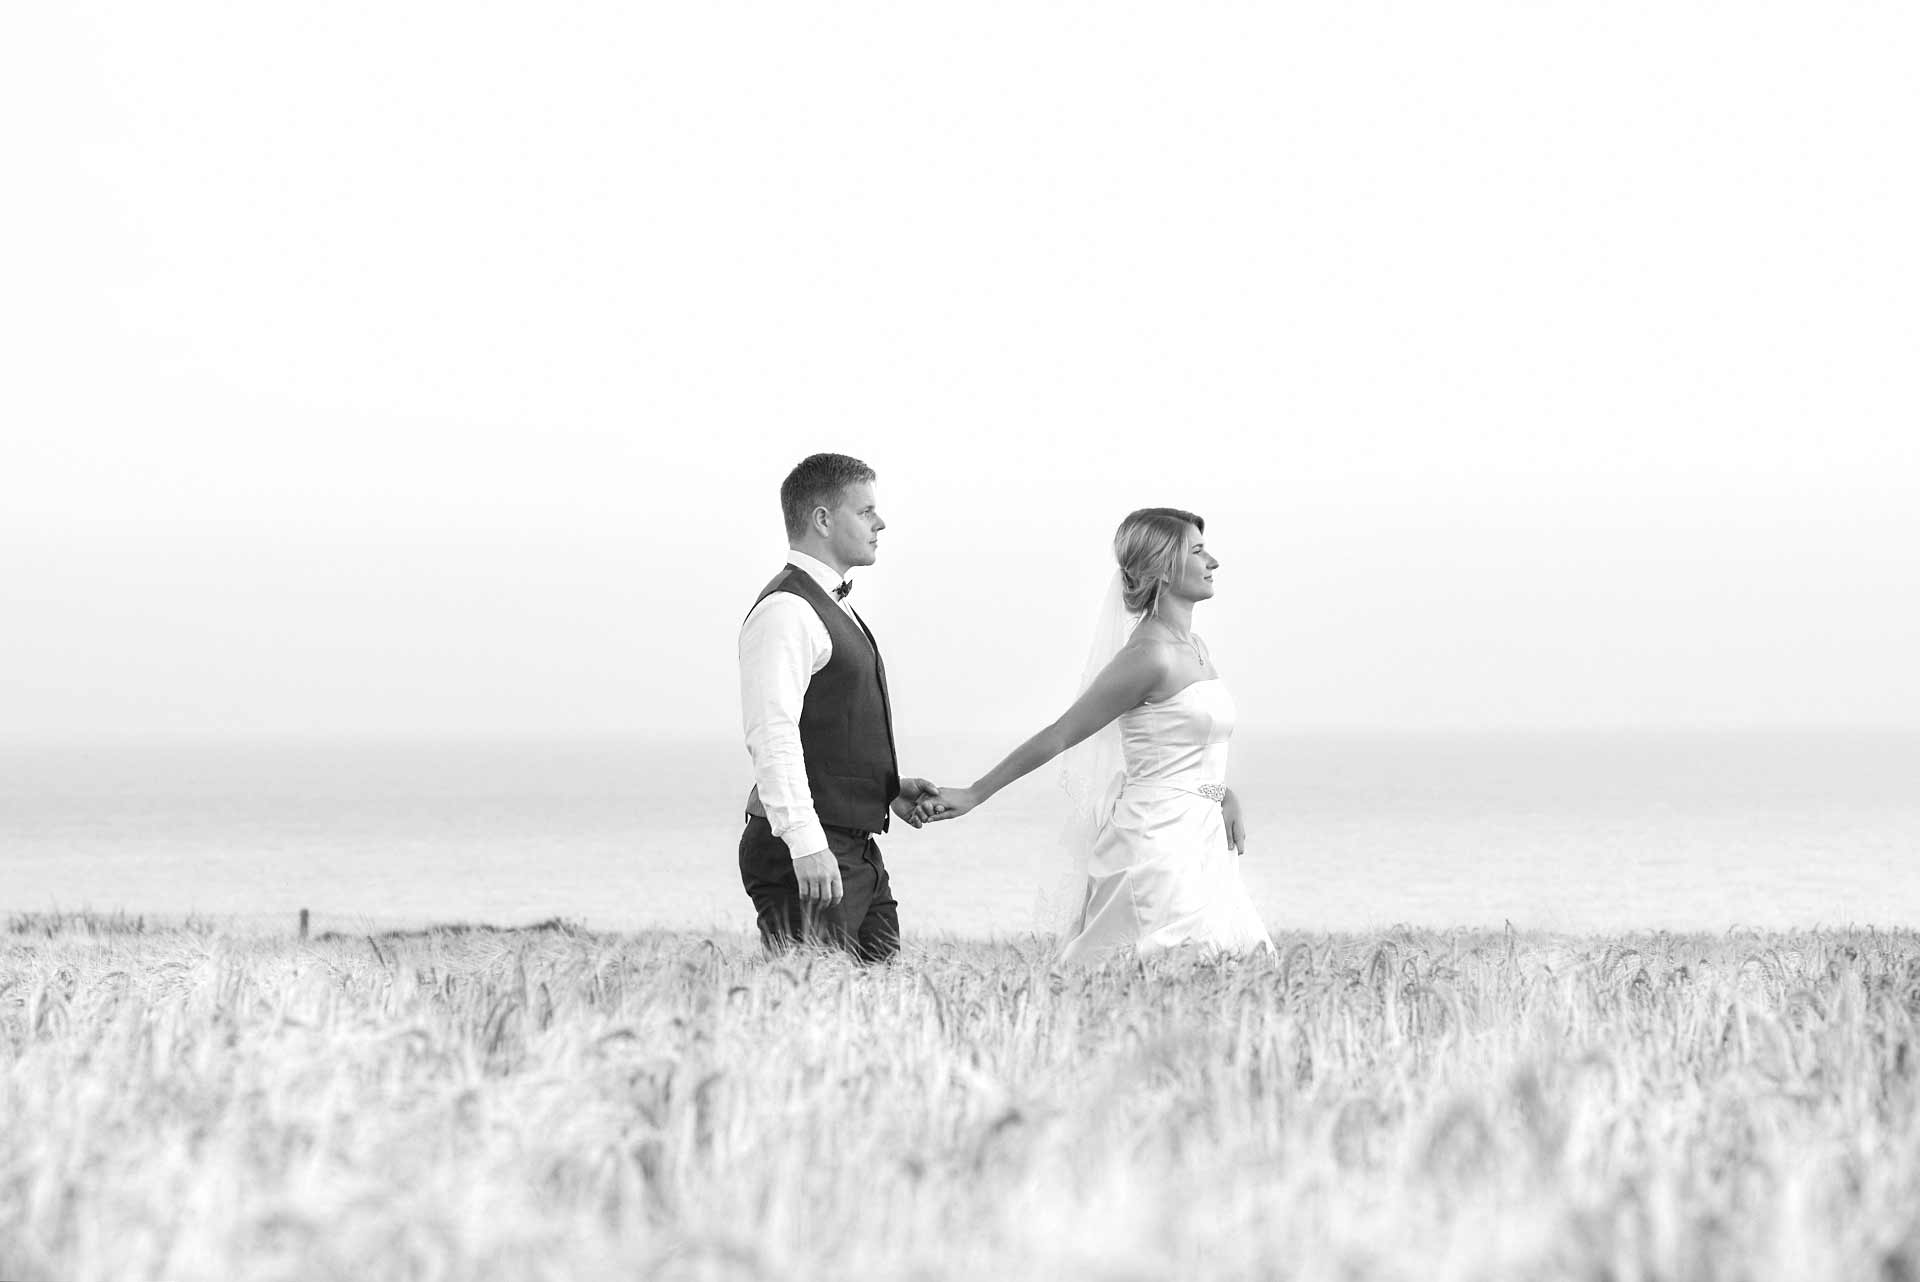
{"x": 432, "y": 368}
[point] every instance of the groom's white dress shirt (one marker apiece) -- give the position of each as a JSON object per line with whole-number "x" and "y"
{"x": 782, "y": 644}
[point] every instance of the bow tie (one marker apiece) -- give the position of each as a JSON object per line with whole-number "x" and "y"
{"x": 840, "y": 593}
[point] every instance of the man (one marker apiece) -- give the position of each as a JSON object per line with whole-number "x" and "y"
{"x": 819, "y": 727}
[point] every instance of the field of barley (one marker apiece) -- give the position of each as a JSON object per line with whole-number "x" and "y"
{"x": 550, "y": 1103}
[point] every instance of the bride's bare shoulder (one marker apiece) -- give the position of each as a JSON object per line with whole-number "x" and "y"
{"x": 1147, "y": 654}
{"x": 1148, "y": 646}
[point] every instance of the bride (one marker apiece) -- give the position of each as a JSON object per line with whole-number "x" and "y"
{"x": 1158, "y": 831}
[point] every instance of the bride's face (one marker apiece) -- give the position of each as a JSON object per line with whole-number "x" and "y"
{"x": 1193, "y": 569}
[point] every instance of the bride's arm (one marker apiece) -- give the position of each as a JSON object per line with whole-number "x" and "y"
{"x": 1122, "y": 684}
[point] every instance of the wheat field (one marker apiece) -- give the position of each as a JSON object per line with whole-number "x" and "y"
{"x": 549, "y": 1103}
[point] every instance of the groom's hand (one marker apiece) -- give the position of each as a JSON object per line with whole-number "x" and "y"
{"x": 916, "y": 798}
{"x": 819, "y": 878}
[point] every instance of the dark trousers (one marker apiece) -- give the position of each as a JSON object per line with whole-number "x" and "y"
{"x": 866, "y": 921}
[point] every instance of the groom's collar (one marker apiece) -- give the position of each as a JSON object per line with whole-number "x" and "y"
{"x": 819, "y": 570}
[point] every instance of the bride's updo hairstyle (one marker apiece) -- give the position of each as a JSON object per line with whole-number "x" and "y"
{"x": 1146, "y": 545}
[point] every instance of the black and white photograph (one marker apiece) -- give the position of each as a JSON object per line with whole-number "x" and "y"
{"x": 1051, "y": 642}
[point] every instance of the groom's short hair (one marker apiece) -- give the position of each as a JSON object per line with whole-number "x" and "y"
{"x": 818, "y": 480}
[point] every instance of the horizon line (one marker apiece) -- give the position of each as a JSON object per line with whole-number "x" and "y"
{"x": 684, "y": 734}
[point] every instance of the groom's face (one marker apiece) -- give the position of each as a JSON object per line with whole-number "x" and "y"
{"x": 854, "y": 535}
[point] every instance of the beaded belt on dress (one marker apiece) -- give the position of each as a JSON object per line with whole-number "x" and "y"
{"x": 1211, "y": 791}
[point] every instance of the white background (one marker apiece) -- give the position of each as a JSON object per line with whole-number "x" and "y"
{"x": 433, "y": 367}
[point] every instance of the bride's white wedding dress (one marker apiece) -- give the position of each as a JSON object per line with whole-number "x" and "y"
{"x": 1161, "y": 873}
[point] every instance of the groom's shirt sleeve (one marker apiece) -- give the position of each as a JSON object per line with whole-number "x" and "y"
{"x": 782, "y": 644}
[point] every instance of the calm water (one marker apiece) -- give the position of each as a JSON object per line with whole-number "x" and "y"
{"x": 1574, "y": 832}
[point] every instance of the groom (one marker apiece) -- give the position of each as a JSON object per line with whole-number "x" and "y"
{"x": 819, "y": 727}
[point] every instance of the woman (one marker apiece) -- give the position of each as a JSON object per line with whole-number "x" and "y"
{"x": 1146, "y": 746}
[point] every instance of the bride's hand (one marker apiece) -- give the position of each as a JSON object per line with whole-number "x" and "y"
{"x": 951, "y": 803}
{"x": 1236, "y": 823}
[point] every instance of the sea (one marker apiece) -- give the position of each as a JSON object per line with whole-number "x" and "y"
{"x": 1588, "y": 832}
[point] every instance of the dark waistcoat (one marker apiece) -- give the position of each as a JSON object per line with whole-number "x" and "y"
{"x": 846, "y": 720}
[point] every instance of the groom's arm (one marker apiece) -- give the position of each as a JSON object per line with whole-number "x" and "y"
{"x": 782, "y": 644}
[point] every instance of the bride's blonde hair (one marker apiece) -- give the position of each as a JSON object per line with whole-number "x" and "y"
{"x": 1146, "y": 545}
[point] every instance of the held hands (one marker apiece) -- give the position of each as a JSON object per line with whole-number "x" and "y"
{"x": 947, "y": 803}
{"x": 1236, "y": 823}
{"x": 914, "y": 795}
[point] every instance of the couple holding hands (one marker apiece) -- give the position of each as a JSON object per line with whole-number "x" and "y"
{"x": 1157, "y": 833}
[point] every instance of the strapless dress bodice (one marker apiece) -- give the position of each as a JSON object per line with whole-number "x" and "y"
{"x": 1181, "y": 741}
